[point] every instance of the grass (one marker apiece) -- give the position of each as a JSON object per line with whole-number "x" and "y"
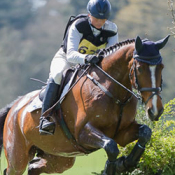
{"x": 84, "y": 165}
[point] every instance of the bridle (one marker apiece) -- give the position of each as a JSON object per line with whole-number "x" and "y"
{"x": 155, "y": 91}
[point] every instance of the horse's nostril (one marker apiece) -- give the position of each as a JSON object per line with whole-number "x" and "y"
{"x": 161, "y": 111}
{"x": 150, "y": 113}
{"x": 153, "y": 116}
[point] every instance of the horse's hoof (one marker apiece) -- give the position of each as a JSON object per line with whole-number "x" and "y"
{"x": 120, "y": 167}
{"x": 5, "y": 171}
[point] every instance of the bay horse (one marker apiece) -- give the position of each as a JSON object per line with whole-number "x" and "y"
{"x": 98, "y": 112}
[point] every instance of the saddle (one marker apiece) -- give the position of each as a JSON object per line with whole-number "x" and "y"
{"x": 66, "y": 82}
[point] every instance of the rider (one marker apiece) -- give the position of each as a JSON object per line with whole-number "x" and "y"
{"x": 85, "y": 36}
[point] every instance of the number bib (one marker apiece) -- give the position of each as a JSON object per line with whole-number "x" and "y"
{"x": 86, "y": 47}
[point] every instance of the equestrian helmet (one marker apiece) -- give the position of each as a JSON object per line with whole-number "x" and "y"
{"x": 99, "y": 9}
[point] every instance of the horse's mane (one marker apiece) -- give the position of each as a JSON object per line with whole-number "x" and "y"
{"x": 109, "y": 50}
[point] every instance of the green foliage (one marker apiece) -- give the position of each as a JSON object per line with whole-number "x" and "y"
{"x": 160, "y": 152}
{"x": 27, "y": 51}
{"x": 169, "y": 108}
{"x": 159, "y": 155}
{"x": 79, "y": 6}
{"x": 16, "y": 13}
{"x": 171, "y": 6}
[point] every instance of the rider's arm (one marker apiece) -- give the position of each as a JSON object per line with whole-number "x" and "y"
{"x": 74, "y": 38}
{"x": 112, "y": 40}
{"x": 73, "y": 41}
{"x": 110, "y": 26}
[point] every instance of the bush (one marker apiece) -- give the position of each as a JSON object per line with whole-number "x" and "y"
{"x": 159, "y": 155}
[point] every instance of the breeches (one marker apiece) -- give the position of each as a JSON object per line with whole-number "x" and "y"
{"x": 58, "y": 64}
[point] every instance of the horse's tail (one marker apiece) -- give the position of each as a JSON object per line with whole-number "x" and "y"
{"x": 3, "y": 114}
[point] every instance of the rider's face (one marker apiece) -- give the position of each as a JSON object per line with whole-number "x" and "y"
{"x": 97, "y": 23}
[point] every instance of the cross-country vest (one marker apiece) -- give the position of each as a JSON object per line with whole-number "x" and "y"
{"x": 89, "y": 43}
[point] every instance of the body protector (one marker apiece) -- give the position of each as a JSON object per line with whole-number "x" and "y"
{"x": 90, "y": 43}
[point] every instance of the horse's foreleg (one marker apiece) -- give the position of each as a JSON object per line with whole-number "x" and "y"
{"x": 132, "y": 159}
{"x": 134, "y": 156}
{"x": 90, "y": 138}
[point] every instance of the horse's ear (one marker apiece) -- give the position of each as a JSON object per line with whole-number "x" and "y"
{"x": 138, "y": 44}
{"x": 161, "y": 43}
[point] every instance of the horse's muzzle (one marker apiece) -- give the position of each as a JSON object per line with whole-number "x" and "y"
{"x": 155, "y": 117}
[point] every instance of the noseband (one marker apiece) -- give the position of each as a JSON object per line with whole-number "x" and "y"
{"x": 155, "y": 91}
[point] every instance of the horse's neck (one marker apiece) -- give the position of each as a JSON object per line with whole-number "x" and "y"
{"x": 119, "y": 63}
{"x": 118, "y": 66}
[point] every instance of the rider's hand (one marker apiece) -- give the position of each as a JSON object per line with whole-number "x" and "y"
{"x": 93, "y": 59}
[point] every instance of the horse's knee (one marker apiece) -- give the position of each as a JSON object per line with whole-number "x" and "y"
{"x": 111, "y": 150}
{"x": 144, "y": 135}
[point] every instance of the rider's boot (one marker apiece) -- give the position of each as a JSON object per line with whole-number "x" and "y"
{"x": 51, "y": 95}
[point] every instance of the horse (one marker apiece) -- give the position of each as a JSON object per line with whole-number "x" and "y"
{"x": 98, "y": 112}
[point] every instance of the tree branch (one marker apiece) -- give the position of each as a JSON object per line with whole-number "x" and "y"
{"x": 171, "y": 9}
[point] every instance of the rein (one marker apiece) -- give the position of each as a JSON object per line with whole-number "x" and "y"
{"x": 107, "y": 92}
{"x": 117, "y": 82}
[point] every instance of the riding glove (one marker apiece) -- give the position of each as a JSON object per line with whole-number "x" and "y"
{"x": 93, "y": 59}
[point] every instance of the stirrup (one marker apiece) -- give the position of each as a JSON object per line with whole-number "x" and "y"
{"x": 46, "y": 127}
{"x": 46, "y": 132}
{"x": 43, "y": 132}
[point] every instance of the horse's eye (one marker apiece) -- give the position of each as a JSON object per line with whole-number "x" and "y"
{"x": 162, "y": 66}
{"x": 139, "y": 69}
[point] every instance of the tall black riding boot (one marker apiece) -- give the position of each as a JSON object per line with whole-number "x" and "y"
{"x": 51, "y": 95}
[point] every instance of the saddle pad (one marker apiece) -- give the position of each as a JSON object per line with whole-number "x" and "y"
{"x": 65, "y": 89}
{"x": 35, "y": 104}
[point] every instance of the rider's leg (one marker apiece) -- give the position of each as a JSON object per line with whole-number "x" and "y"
{"x": 58, "y": 65}
{"x": 51, "y": 95}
